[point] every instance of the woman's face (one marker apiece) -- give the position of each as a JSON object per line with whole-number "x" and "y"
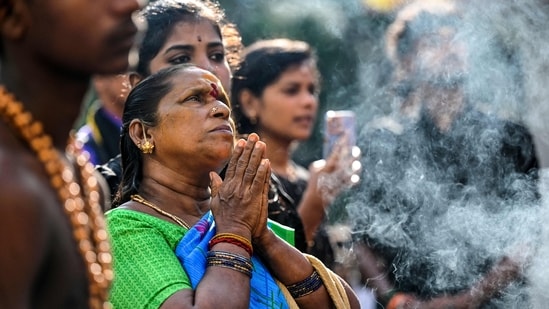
{"x": 196, "y": 43}
{"x": 287, "y": 107}
{"x": 194, "y": 123}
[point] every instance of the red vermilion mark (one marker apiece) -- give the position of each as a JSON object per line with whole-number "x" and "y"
{"x": 214, "y": 92}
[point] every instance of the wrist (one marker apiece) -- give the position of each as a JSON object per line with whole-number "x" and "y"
{"x": 232, "y": 239}
{"x": 234, "y": 229}
{"x": 264, "y": 243}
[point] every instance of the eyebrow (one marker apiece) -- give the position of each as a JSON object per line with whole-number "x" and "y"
{"x": 203, "y": 87}
{"x": 200, "y": 89}
{"x": 190, "y": 47}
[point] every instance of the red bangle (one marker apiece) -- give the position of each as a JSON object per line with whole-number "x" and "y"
{"x": 233, "y": 239}
{"x": 398, "y": 301}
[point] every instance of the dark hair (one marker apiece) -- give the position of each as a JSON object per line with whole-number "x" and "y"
{"x": 412, "y": 23}
{"x": 262, "y": 64}
{"x": 416, "y": 20}
{"x": 162, "y": 15}
{"x": 142, "y": 103}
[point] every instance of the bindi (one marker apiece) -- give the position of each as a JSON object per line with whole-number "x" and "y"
{"x": 199, "y": 38}
{"x": 214, "y": 92}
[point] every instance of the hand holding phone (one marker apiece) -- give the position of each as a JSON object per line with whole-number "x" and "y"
{"x": 339, "y": 127}
{"x": 341, "y": 165}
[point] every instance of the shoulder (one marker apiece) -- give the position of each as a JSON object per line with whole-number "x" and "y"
{"x": 516, "y": 140}
{"x": 113, "y": 167}
{"x": 127, "y": 225}
{"x": 124, "y": 218}
{"x": 301, "y": 172}
{"x": 84, "y": 134}
{"x": 143, "y": 259}
{"x": 384, "y": 129}
{"x": 382, "y": 137}
{"x": 386, "y": 124}
{"x": 512, "y": 133}
{"x": 111, "y": 172}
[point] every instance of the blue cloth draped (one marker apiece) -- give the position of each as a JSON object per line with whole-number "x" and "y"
{"x": 193, "y": 249}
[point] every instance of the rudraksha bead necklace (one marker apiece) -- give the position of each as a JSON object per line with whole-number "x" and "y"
{"x": 81, "y": 203}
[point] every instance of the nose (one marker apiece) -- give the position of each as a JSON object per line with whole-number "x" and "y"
{"x": 204, "y": 62}
{"x": 310, "y": 100}
{"x": 220, "y": 110}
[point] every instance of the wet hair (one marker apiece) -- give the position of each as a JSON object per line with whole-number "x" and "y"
{"x": 262, "y": 64}
{"x": 142, "y": 103}
{"x": 162, "y": 15}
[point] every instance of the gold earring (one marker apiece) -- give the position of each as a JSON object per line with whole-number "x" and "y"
{"x": 147, "y": 147}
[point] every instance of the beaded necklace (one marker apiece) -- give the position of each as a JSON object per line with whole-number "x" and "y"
{"x": 81, "y": 203}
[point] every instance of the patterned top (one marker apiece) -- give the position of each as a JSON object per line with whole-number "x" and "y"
{"x": 146, "y": 269}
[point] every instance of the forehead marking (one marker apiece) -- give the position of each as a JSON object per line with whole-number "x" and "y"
{"x": 214, "y": 92}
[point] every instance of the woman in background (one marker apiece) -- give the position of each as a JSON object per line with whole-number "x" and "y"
{"x": 275, "y": 93}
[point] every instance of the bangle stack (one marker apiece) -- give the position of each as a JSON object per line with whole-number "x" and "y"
{"x": 231, "y": 261}
{"x": 305, "y": 287}
{"x": 234, "y": 239}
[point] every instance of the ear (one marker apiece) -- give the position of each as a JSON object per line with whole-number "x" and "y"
{"x": 249, "y": 104}
{"x": 138, "y": 133}
{"x": 15, "y": 19}
{"x": 134, "y": 78}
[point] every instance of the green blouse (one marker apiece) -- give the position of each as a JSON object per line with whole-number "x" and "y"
{"x": 146, "y": 270}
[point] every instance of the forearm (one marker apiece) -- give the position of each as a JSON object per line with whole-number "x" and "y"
{"x": 497, "y": 279}
{"x": 226, "y": 285}
{"x": 373, "y": 269}
{"x": 221, "y": 287}
{"x": 290, "y": 266}
{"x": 312, "y": 211}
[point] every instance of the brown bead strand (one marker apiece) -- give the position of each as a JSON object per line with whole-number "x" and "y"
{"x": 81, "y": 203}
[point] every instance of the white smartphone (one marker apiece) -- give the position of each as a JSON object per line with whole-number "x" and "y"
{"x": 339, "y": 125}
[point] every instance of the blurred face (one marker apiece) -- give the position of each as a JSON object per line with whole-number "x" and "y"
{"x": 196, "y": 43}
{"x": 112, "y": 90}
{"x": 83, "y": 36}
{"x": 288, "y": 107}
{"x": 440, "y": 57}
{"x": 194, "y": 122}
{"x": 441, "y": 67}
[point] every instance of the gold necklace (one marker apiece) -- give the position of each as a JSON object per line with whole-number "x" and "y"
{"x": 80, "y": 203}
{"x": 138, "y": 198}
